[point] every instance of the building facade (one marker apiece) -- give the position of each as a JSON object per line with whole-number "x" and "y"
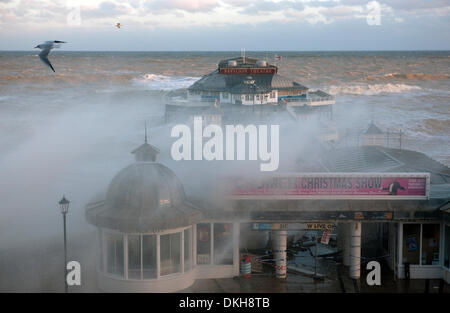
{"x": 248, "y": 81}
{"x": 152, "y": 238}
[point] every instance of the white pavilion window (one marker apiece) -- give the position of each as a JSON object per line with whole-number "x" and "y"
{"x": 149, "y": 256}
{"x": 134, "y": 257}
{"x": 115, "y": 254}
{"x": 170, "y": 254}
{"x": 141, "y": 254}
{"x": 187, "y": 249}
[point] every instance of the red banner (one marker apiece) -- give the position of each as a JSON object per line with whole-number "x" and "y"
{"x": 248, "y": 71}
{"x": 334, "y": 185}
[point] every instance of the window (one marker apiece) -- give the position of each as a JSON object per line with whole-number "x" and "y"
{"x": 421, "y": 244}
{"x": 203, "y": 243}
{"x": 247, "y": 97}
{"x": 170, "y": 246}
{"x": 225, "y": 95}
{"x": 164, "y": 203}
{"x": 134, "y": 256}
{"x": 164, "y": 197}
{"x": 430, "y": 244}
{"x": 187, "y": 250}
{"x": 447, "y": 246}
{"x": 223, "y": 243}
{"x": 114, "y": 247}
{"x": 149, "y": 256}
{"x": 411, "y": 243}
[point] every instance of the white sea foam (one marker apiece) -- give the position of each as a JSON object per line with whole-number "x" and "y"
{"x": 370, "y": 90}
{"x": 162, "y": 82}
{"x": 4, "y": 98}
{"x": 408, "y": 76}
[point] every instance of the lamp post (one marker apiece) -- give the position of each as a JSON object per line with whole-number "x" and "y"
{"x": 64, "y": 206}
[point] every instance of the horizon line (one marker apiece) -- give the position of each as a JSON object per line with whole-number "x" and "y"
{"x": 236, "y": 51}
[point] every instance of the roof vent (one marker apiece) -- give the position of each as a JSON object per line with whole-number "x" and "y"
{"x": 261, "y": 63}
{"x": 232, "y": 63}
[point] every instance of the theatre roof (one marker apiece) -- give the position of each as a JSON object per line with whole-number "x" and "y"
{"x": 235, "y": 83}
{"x": 242, "y": 62}
{"x": 381, "y": 159}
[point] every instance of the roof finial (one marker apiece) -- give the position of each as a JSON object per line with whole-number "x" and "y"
{"x": 145, "y": 139}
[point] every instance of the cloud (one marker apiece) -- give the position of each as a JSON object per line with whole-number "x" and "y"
{"x": 36, "y": 15}
{"x": 193, "y": 6}
{"x": 402, "y": 5}
{"x": 106, "y": 9}
{"x": 309, "y": 14}
{"x": 271, "y": 6}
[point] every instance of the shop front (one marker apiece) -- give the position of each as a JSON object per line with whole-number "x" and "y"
{"x": 423, "y": 250}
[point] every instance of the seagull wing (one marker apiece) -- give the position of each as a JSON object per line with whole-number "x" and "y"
{"x": 44, "y": 58}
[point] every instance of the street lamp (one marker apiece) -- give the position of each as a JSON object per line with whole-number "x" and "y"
{"x": 64, "y": 206}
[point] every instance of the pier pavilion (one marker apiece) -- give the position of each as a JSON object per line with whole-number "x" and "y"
{"x": 153, "y": 238}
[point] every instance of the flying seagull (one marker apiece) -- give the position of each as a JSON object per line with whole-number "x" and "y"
{"x": 46, "y": 47}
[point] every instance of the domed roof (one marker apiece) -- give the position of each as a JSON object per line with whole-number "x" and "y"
{"x": 145, "y": 196}
{"x": 145, "y": 187}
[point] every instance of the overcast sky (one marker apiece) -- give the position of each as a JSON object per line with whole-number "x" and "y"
{"x": 227, "y": 24}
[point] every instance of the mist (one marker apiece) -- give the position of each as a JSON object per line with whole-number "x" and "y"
{"x": 70, "y": 133}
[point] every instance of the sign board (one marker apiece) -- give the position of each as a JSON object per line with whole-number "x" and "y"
{"x": 293, "y": 226}
{"x": 317, "y": 215}
{"x": 248, "y": 70}
{"x": 325, "y": 237}
{"x": 371, "y": 186}
{"x": 269, "y": 226}
{"x": 320, "y": 226}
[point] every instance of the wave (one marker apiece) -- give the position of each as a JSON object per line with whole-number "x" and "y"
{"x": 370, "y": 90}
{"x": 411, "y": 76}
{"x": 162, "y": 82}
{"x": 3, "y": 98}
{"x": 434, "y": 126}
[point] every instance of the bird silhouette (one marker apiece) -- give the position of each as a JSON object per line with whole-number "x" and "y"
{"x": 46, "y": 47}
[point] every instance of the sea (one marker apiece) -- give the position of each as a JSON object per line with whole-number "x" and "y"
{"x": 69, "y": 132}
